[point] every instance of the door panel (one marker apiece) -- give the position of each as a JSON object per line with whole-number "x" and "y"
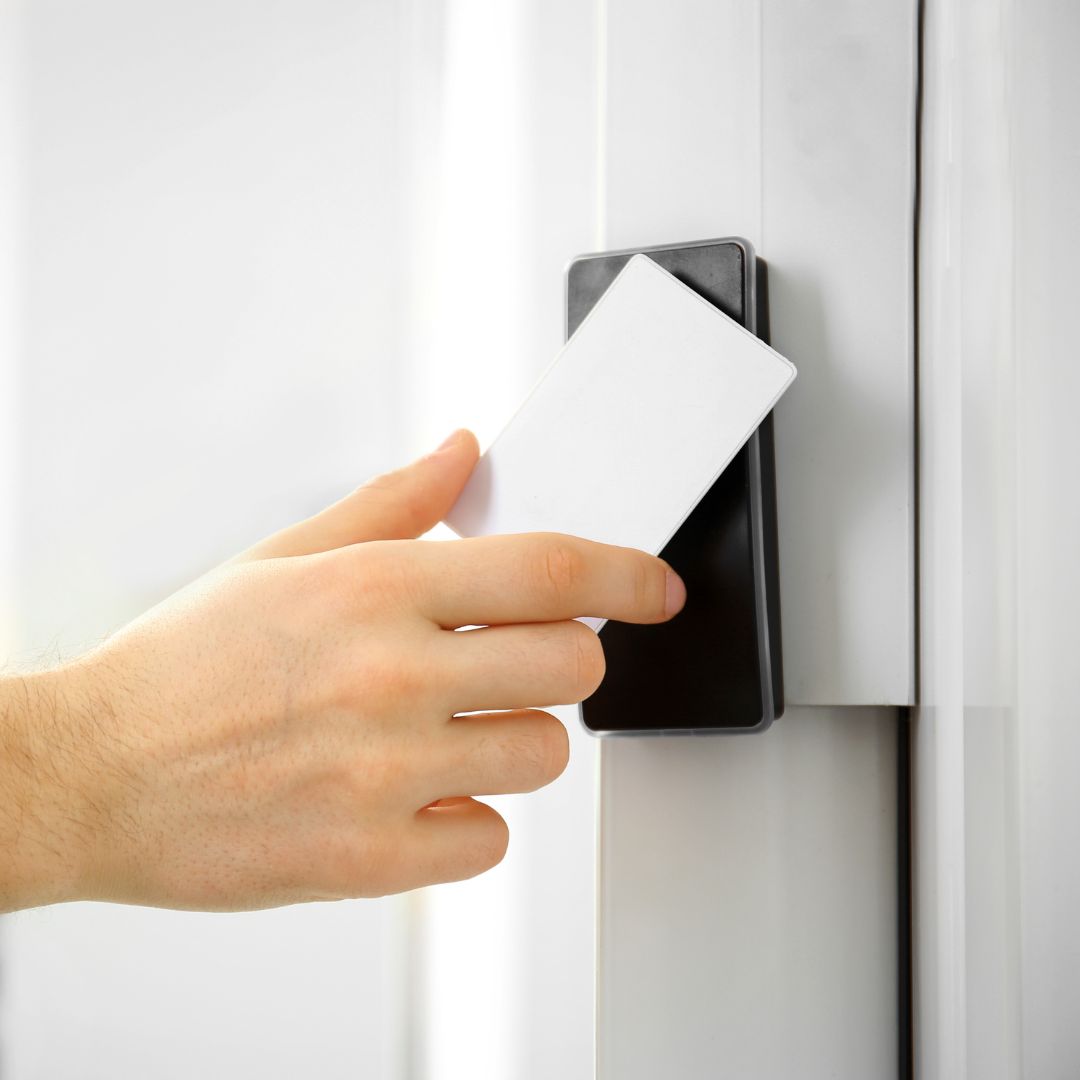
{"x": 748, "y": 901}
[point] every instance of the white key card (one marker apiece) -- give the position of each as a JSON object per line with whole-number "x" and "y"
{"x": 630, "y": 424}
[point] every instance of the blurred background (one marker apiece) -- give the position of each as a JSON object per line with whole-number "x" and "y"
{"x": 252, "y": 253}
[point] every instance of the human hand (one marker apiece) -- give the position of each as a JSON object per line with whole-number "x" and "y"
{"x": 284, "y": 729}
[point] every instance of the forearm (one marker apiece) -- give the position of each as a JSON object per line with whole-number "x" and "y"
{"x": 39, "y": 823}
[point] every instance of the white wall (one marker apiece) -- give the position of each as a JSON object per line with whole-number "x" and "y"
{"x": 207, "y": 299}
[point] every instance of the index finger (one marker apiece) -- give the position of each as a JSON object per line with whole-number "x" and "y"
{"x": 543, "y": 577}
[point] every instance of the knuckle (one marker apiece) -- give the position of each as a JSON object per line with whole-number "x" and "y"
{"x": 318, "y": 584}
{"x": 385, "y": 777}
{"x": 587, "y": 662}
{"x": 561, "y": 567}
{"x": 397, "y": 677}
{"x": 539, "y": 752}
{"x": 649, "y": 586}
{"x": 384, "y": 574}
{"x": 407, "y": 503}
{"x": 394, "y": 679}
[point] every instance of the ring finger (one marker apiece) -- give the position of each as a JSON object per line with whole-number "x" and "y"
{"x": 501, "y": 753}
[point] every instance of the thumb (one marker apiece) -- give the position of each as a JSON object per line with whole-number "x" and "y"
{"x": 398, "y": 505}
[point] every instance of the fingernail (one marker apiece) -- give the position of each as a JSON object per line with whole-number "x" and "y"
{"x": 674, "y": 594}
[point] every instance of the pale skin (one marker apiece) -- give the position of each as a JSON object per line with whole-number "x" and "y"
{"x": 288, "y": 727}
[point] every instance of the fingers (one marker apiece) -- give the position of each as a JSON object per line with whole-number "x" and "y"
{"x": 487, "y": 754}
{"x": 450, "y": 843}
{"x": 502, "y": 753}
{"x": 518, "y": 666}
{"x": 542, "y": 577}
{"x": 398, "y": 505}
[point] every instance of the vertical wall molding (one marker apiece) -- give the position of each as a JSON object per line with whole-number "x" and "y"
{"x": 967, "y": 739}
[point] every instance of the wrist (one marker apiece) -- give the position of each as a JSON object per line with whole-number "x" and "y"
{"x": 45, "y": 830}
